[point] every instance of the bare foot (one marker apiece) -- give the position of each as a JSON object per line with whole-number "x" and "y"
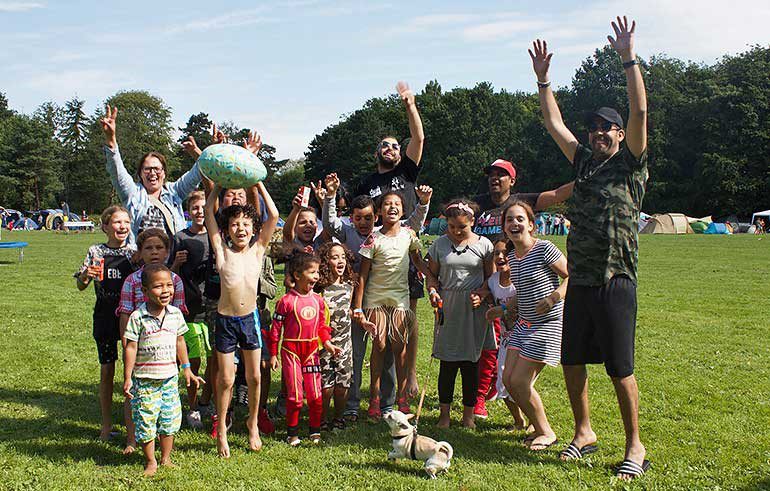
{"x": 168, "y": 463}
{"x": 443, "y": 422}
{"x": 130, "y": 448}
{"x": 469, "y": 423}
{"x": 223, "y": 448}
{"x": 541, "y": 442}
{"x": 150, "y": 468}
{"x": 255, "y": 442}
{"x": 106, "y": 434}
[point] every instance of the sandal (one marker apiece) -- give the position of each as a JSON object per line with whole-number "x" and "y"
{"x": 572, "y": 452}
{"x": 339, "y": 424}
{"x": 315, "y": 438}
{"x": 293, "y": 441}
{"x": 629, "y": 469}
{"x": 351, "y": 418}
{"x": 325, "y": 426}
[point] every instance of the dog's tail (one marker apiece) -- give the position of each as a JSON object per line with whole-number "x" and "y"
{"x": 446, "y": 448}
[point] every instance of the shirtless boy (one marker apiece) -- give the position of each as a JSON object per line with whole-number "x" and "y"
{"x": 237, "y": 321}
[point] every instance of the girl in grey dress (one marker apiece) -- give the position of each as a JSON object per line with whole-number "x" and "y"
{"x": 460, "y": 263}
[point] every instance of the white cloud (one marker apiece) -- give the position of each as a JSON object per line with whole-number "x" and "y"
{"x": 236, "y": 18}
{"x": 495, "y": 31}
{"x": 19, "y": 6}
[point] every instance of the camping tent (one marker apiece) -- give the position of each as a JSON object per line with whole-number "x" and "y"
{"x": 667, "y": 223}
{"x": 760, "y": 214}
{"x": 644, "y": 218}
{"x": 717, "y": 228}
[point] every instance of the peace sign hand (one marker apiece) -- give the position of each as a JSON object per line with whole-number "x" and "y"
{"x": 623, "y": 42}
{"x": 109, "y": 125}
{"x": 541, "y": 60}
{"x": 319, "y": 190}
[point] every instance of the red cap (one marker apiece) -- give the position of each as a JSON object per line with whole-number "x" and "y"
{"x": 504, "y": 165}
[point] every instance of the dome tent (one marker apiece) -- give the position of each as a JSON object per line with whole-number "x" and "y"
{"x": 667, "y": 223}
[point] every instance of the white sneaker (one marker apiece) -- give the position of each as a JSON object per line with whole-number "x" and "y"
{"x": 194, "y": 420}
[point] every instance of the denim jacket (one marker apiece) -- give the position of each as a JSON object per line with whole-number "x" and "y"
{"x": 134, "y": 197}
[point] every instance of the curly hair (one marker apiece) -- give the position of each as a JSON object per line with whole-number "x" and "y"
{"x": 326, "y": 275}
{"x": 235, "y": 211}
{"x": 151, "y": 270}
{"x": 298, "y": 261}
{"x": 152, "y": 232}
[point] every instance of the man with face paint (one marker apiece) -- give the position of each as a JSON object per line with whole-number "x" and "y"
{"x": 602, "y": 247}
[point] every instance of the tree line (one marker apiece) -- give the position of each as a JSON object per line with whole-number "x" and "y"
{"x": 709, "y": 138}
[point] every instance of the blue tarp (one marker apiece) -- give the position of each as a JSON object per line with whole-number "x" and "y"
{"x": 716, "y": 228}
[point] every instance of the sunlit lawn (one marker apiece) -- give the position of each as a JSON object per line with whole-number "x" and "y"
{"x": 702, "y": 365}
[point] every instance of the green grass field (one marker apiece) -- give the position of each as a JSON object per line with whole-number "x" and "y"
{"x": 702, "y": 364}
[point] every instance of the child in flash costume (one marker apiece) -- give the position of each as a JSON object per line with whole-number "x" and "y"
{"x": 302, "y": 318}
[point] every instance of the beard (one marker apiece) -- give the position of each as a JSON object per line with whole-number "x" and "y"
{"x": 387, "y": 164}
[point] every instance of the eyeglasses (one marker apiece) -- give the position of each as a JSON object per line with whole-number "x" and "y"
{"x": 152, "y": 170}
{"x": 604, "y": 126}
{"x": 387, "y": 144}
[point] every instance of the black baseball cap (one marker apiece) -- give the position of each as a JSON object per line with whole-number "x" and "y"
{"x": 606, "y": 113}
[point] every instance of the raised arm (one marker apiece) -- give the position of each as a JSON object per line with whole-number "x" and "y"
{"x": 329, "y": 216}
{"x": 636, "y": 129}
{"x": 541, "y": 61}
{"x": 291, "y": 220}
{"x": 417, "y": 136}
{"x": 210, "y": 219}
{"x": 121, "y": 180}
{"x": 420, "y": 213}
{"x": 266, "y": 233}
{"x": 550, "y": 198}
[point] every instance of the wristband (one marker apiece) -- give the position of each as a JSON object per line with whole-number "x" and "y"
{"x": 543, "y": 85}
{"x": 184, "y": 366}
{"x": 629, "y": 64}
{"x": 358, "y": 311}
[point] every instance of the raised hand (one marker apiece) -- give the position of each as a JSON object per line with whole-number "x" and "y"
{"x": 253, "y": 143}
{"x": 405, "y": 93}
{"x": 217, "y": 136}
{"x": 623, "y": 42}
{"x": 332, "y": 183}
{"x": 109, "y": 125}
{"x": 424, "y": 193}
{"x": 191, "y": 147}
{"x": 541, "y": 59}
{"x": 319, "y": 190}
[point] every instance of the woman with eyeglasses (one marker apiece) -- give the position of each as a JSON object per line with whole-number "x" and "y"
{"x": 152, "y": 202}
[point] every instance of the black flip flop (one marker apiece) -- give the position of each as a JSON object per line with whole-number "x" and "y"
{"x": 573, "y": 452}
{"x": 632, "y": 469}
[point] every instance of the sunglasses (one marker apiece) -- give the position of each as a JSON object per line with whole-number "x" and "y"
{"x": 604, "y": 126}
{"x": 387, "y": 144}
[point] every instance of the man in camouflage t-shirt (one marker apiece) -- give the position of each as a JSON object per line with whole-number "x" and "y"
{"x": 602, "y": 249}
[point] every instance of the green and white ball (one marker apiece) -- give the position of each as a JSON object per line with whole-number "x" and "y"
{"x": 231, "y": 166}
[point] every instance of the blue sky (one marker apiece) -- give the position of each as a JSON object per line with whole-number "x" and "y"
{"x": 292, "y": 68}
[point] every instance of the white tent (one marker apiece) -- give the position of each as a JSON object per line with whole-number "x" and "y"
{"x": 764, "y": 214}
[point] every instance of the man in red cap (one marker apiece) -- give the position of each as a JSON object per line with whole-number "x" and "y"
{"x": 501, "y": 177}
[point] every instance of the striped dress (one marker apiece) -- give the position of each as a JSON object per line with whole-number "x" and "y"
{"x": 536, "y": 337}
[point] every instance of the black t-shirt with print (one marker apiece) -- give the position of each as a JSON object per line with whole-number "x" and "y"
{"x": 489, "y": 223}
{"x": 402, "y": 178}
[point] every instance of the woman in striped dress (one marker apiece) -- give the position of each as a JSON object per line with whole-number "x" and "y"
{"x": 535, "y": 340}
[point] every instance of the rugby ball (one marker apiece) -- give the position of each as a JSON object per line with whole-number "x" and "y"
{"x": 231, "y": 166}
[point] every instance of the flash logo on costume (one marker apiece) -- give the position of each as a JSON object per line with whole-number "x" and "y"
{"x": 308, "y": 313}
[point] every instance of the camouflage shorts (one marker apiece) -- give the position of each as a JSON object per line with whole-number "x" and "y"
{"x": 337, "y": 371}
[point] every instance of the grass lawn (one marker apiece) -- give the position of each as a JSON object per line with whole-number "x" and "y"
{"x": 702, "y": 363}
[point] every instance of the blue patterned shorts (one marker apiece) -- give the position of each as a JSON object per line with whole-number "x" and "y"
{"x": 155, "y": 408}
